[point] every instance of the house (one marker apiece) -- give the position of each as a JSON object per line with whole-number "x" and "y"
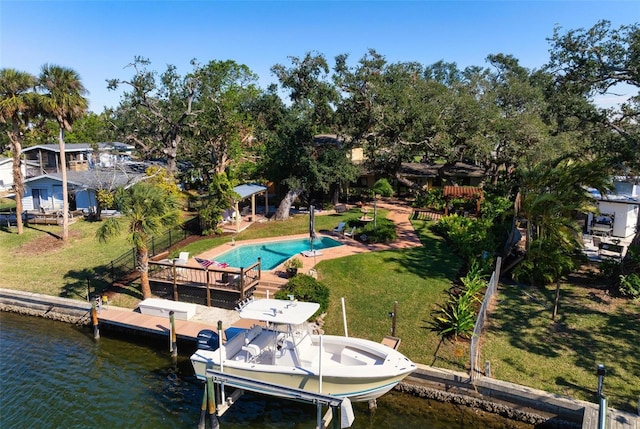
{"x": 78, "y": 156}
{"x": 618, "y": 211}
{"x": 6, "y": 172}
{"x": 44, "y": 193}
{"x": 432, "y": 175}
{"x": 47, "y": 158}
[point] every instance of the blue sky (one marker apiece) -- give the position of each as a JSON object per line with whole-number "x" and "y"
{"x": 99, "y": 38}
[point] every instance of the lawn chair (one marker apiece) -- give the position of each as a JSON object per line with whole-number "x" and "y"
{"x": 183, "y": 258}
{"x": 340, "y": 228}
{"x": 350, "y": 233}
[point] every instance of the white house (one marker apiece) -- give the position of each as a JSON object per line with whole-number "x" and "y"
{"x": 45, "y": 192}
{"x": 620, "y": 210}
{"x": 6, "y": 173}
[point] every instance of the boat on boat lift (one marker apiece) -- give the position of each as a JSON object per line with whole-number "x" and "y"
{"x": 281, "y": 349}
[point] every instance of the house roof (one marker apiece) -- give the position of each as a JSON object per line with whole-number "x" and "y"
{"x": 94, "y": 179}
{"x": 462, "y": 191}
{"x": 80, "y": 147}
{"x": 54, "y": 147}
{"x": 624, "y": 198}
{"x": 456, "y": 169}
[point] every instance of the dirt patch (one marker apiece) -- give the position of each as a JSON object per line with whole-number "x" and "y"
{"x": 46, "y": 244}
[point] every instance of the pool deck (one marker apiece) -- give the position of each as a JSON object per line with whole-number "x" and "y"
{"x": 398, "y": 213}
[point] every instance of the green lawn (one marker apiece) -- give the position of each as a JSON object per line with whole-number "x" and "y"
{"x": 525, "y": 346}
{"x": 37, "y": 261}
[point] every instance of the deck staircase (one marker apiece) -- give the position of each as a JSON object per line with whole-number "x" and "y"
{"x": 261, "y": 290}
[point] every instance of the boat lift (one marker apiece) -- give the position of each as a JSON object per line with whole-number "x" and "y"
{"x": 336, "y": 405}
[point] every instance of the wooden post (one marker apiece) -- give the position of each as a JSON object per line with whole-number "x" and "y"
{"x": 394, "y": 317}
{"x": 94, "y": 319}
{"x": 203, "y": 409}
{"x": 212, "y": 403}
{"x": 208, "y": 290}
{"x": 175, "y": 284}
{"x": 172, "y": 332}
{"x": 241, "y": 283}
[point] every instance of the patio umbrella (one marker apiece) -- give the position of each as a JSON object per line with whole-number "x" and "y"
{"x": 312, "y": 232}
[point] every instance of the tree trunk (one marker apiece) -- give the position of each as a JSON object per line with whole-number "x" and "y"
{"x": 285, "y": 205}
{"x": 556, "y": 300}
{"x": 65, "y": 192}
{"x": 18, "y": 183}
{"x": 143, "y": 267}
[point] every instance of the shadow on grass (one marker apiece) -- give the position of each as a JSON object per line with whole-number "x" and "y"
{"x": 590, "y": 328}
{"x": 83, "y": 283}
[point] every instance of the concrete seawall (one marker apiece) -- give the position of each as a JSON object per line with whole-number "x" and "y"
{"x": 50, "y": 307}
{"x": 516, "y": 402}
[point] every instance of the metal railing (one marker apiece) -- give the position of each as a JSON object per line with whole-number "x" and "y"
{"x": 128, "y": 262}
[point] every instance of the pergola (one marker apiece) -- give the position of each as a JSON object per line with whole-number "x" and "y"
{"x": 466, "y": 192}
{"x": 246, "y": 191}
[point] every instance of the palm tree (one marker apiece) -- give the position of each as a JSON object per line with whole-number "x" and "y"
{"x": 149, "y": 209}
{"x": 552, "y": 193}
{"x": 17, "y": 104}
{"x": 64, "y": 101}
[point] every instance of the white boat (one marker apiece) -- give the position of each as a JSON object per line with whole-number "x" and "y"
{"x": 280, "y": 350}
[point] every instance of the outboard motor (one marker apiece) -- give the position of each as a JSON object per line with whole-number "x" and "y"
{"x": 208, "y": 340}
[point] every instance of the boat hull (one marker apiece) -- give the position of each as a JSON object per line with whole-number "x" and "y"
{"x": 342, "y": 375}
{"x": 357, "y": 389}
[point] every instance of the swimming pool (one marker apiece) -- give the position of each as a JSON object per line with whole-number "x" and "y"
{"x": 272, "y": 253}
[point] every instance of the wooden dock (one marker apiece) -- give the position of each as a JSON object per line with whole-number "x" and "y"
{"x": 157, "y": 325}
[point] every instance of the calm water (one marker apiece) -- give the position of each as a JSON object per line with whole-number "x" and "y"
{"x": 272, "y": 254}
{"x": 54, "y": 375}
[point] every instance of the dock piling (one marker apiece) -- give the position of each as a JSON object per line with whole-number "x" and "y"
{"x": 173, "y": 342}
{"x": 94, "y": 319}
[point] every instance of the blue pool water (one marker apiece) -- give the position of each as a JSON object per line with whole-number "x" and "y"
{"x": 273, "y": 253}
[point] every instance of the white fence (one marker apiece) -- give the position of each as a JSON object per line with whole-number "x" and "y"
{"x": 492, "y": 288}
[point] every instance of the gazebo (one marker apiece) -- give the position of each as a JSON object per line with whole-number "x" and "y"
{"x": 246, "y": 191}
{"x": 466, "y": 192}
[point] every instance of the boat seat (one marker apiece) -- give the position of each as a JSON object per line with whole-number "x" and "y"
{"x": 253, "y": 351}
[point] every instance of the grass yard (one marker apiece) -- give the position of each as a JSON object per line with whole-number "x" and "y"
{"x": 522, "y": 343}
{"x": 38, "y": 261}
{"x": 416, "y": 278}
{"x": 525, "y": 346}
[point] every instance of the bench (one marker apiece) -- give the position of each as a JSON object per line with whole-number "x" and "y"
{"x": 162, "y": 307}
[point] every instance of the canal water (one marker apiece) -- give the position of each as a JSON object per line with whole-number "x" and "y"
{"x": 55, "y": 375}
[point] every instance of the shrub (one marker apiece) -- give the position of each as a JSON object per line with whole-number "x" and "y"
{"x": 431, "y": 198}
{"x": 455, "y": 319}
{"x": 385, "y": 232}
{"x": 470, "y": 237}
{"x": 630, "y": 286}
{"x": 308, "y": 289}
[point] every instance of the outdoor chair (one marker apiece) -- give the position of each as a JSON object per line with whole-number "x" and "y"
{"x": 350, "y": 233}
{"x": 183, "y": 258}
{"x": 340, "y": 228}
